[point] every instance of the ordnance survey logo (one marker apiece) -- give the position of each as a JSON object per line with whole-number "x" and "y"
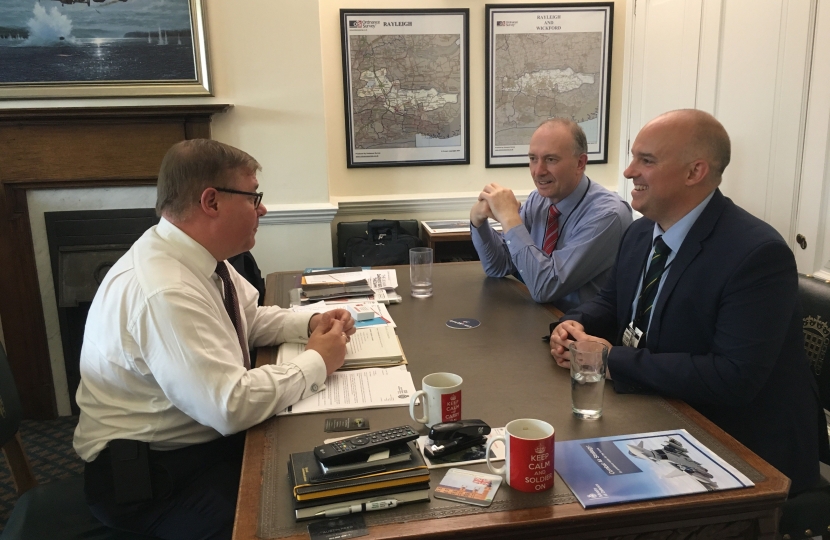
{"x": 363, "y": 24}
{"x": 507, "y": 23}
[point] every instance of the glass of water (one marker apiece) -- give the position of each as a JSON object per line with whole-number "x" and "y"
{"x": 420, "y": 272}
{"x": 589, "y": 361}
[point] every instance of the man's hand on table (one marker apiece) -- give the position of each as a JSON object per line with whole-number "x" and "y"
{"x": 566, "y": 333}
{"x": 329, "y": 336}
{"x": 341, "y": 315}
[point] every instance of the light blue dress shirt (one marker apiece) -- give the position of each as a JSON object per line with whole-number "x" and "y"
{"x": 674, "y": 239}
{"x": 591, "y": 225}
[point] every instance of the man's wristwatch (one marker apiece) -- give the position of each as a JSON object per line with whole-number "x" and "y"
{"x": 308, "y": 328}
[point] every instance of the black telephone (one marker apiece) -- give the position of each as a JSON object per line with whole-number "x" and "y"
{"x": 451, "y": 437}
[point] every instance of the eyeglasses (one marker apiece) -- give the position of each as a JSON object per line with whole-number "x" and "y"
{"x": 257, "y": 196}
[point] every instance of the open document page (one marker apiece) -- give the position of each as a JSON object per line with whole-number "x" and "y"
{"x": 359, "y": 389}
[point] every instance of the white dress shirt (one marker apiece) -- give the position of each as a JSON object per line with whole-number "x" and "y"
{"x": 161, "y": 361}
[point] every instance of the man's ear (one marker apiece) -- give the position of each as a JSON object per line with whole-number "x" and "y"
{"x": 698, "y": 170}
{"x": 582, "y": 162}
{"x": 209, "y": 202}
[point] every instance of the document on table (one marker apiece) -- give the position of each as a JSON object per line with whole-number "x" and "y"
{"x": 381, "y": 279}
{"x": 359, "y": 389}
{"x": 376, "y": 278}
{"x": 376, "y": 346}
{"x": 382, "y": 315}
{"x": 334, "y": 277}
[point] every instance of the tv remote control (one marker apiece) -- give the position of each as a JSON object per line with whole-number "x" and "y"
{"x": 359, "y": 447}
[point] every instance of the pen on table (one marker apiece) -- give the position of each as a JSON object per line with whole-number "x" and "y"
{"x": 363, "y": 507}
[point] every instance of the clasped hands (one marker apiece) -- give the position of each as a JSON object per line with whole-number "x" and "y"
{"x": 566, "y": 333}
{"x": 499, "y": 203}
{"x": 330, "y": 331}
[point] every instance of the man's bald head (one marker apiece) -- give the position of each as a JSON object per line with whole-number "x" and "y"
{"x": 580, "y": 141}
{"x": 705, "y": 136}
{"x": 677, "y": 160}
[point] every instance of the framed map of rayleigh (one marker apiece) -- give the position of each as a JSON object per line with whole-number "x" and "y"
{"x": 406, "y": 86}
{"x": 545, "y": 61}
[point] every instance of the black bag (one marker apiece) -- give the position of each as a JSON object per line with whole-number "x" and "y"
{"x": 385, "y": 244}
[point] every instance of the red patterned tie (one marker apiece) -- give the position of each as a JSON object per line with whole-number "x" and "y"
{"x": 232, "y": 307}
{"x": 551, "y": 231}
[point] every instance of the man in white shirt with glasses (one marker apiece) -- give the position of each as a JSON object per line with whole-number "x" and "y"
{"x": 167, "y": 389}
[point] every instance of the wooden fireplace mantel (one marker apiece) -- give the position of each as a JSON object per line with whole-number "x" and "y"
{"x": 64, "y": 148}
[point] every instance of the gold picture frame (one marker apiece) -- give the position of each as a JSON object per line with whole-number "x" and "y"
{"x": 70, "y": 49}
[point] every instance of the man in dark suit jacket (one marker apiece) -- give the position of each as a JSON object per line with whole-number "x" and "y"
{"x": 724, "y": 333}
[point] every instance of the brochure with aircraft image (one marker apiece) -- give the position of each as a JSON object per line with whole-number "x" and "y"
{"x": 626, "y": 468}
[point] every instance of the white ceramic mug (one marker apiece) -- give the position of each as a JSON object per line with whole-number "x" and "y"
{"x": 528, "y": 455}
{"x": 441, "y": 393}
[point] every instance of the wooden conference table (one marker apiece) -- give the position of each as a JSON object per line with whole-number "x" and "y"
{"x": 508, "y": 374}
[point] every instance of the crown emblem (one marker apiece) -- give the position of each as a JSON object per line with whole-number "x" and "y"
{"x": 541, "y": 448}
{"x": 816, "y": 338}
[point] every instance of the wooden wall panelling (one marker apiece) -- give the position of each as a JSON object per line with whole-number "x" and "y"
{"x": 61, "y": 148}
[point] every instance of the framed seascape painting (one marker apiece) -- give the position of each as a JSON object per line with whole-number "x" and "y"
{"x": 545, "y": 61}
{"x": 406, "y": 86}
{"x": 102, "y": 48}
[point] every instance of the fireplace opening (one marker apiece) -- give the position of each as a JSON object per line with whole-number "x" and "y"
{"x": 83, "y": 246}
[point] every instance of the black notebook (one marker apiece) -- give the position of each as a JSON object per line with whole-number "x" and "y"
{"x": 310, "y": 483}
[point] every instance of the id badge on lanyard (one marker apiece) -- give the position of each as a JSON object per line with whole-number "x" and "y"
{"x": 632, "y": 335}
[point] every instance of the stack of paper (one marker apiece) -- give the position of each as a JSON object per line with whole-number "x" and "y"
{"x": 375, "y": 346}
{"x": 318, "y": 285}
{"x": 359, "y": 389}
{"x": 350, "y": 284}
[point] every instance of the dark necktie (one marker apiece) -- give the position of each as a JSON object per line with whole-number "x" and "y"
{"x": 232, "y": 307}
{"x": 651, "y": 282}
{"x": 551, "y": 231}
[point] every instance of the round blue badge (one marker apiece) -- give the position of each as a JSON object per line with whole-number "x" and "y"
{"x": 463, "y": 324}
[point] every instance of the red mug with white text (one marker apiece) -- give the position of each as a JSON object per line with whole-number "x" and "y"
{"x": 528, "y": 455}
{"x": 441, "y": 393}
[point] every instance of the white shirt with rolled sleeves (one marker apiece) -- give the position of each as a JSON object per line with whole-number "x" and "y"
{"x": 161, "y": 361}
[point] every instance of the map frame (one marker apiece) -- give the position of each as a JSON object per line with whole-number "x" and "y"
{"x": 550, "y": 19}
{"x": 449, "y": 142}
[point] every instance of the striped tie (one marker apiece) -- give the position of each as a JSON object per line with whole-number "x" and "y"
{"x": 551, "y": 231}
{"x": 651, "y": 283}
{"x": 232, "y": 307}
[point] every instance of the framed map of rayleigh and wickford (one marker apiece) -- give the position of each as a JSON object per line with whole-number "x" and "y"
{"x": 545, "y": 61}
{"x": 406, "y": 86}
